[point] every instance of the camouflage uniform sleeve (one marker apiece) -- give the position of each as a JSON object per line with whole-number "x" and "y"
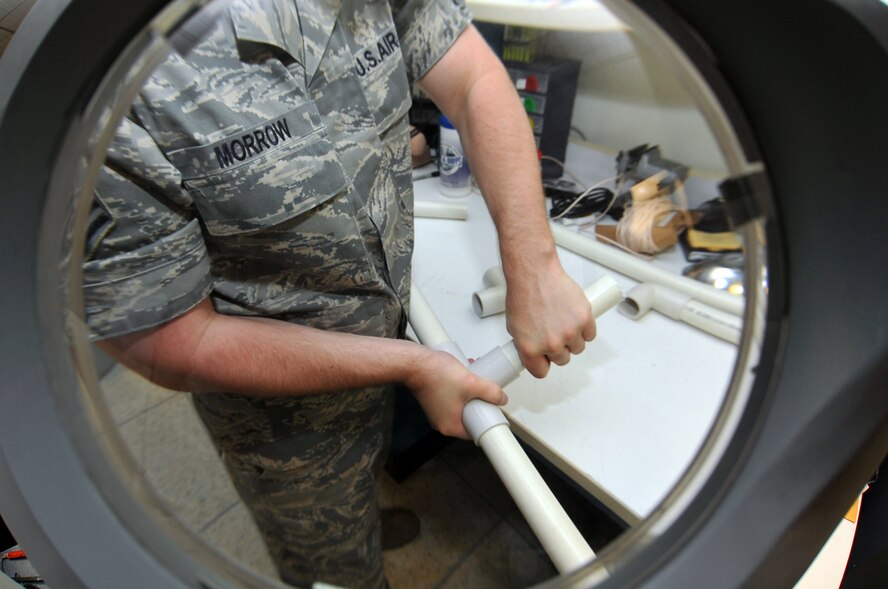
{"x": 145, "y": 259}
{"x": 427, "y": 29}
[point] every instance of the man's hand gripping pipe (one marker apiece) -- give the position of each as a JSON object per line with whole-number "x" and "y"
{"x": 489, "y": 429}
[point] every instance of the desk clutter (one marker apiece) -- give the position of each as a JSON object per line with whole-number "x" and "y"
{"x": 643, "y": 209}
{"x": 584, "y": 417}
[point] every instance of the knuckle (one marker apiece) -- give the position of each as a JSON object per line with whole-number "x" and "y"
{"x": 553, "y": 345}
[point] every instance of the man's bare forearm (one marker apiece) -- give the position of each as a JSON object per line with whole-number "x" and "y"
{"x": 499, "y": 142}
{"x": 546, "y": 311}
{"x": 204, "y": 351}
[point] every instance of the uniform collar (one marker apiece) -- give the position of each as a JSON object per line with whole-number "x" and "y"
{"x": 301, "y": 29}
{"x": 266, "y": 22}
{"x": 317, "y": 18}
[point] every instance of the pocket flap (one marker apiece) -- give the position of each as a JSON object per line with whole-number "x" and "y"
{"x": 263, "y": 176}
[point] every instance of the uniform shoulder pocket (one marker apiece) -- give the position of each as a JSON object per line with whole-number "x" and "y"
{"x": 262, "y": 176}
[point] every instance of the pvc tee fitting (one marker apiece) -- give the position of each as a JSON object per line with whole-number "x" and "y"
{"x": 492, "y": 299}
{"x": 644, "y": 271}
{"x": 681, "y": 307}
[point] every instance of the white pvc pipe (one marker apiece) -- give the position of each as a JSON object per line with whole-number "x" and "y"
{"x": 425, "y": 323}
{"x": 490, "y": 301}
{"x": 502, "y": 364}
{"x": 478, "y": 415}
{"x": 603, "y": 294}
{"x": 489, "y": 428}
{"x": 431, "y": 209}
{"x": 494, "y": 277}
{"x": 681, "y": 307}
{"x": 644, "y": 271}
{"x": 550, "y": 523}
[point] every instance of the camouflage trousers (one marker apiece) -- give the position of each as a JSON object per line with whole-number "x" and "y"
{"x": 306, "y": 468}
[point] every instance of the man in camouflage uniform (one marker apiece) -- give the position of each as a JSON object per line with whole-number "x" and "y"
{"x": 251, "y": 243}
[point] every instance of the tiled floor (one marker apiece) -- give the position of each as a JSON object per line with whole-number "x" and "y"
{"x": 471, "y": 532}
{"x": 472, "y": 535}
{"x": 12, "y": 13}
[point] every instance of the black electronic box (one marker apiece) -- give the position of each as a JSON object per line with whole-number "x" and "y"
{"x": 547, "y": 89}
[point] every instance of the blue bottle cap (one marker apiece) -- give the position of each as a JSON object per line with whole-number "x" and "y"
{"x": 445, "y": 122}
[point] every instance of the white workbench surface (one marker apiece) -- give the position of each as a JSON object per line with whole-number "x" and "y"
{"x": 624, "y": 419}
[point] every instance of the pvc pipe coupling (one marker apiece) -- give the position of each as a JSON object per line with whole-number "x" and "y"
{"x": 500, "y": 365}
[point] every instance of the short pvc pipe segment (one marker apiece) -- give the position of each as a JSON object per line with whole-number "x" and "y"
{"x": 431, "y": 209}
{"x": 681, "y": 307}
{"x": 644, "y": 271}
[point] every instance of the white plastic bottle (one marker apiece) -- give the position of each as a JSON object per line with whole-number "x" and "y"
{"x": 453, "y": 166}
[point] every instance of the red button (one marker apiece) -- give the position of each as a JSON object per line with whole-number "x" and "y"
{"x": 15, "y": 555}
{"x": 532, "y": 85}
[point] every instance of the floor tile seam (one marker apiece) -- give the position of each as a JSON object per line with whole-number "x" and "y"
{"x": 17, "y": 6}
{"x": 474, "y": 488}
{"x": 219, "y": 516}
{"x": 521, "y": 534}
{"x": 145, "y": 410}
{"x": 470, "y": 551}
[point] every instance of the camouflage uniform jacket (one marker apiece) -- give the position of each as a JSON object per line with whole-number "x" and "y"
{"x": 269, "y": 168}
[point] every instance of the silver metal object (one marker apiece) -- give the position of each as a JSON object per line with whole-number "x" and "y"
{"x": 724, "y": 272}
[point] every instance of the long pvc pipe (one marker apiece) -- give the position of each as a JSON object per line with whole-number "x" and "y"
{"x": 489, "y": 429}
{"x": 643, "y": 271}
{"x": 552, "y": 526}
{"x": 425, "y": 323}
{"x": 681, "y": 307}
{"x": 440, "y": 210}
